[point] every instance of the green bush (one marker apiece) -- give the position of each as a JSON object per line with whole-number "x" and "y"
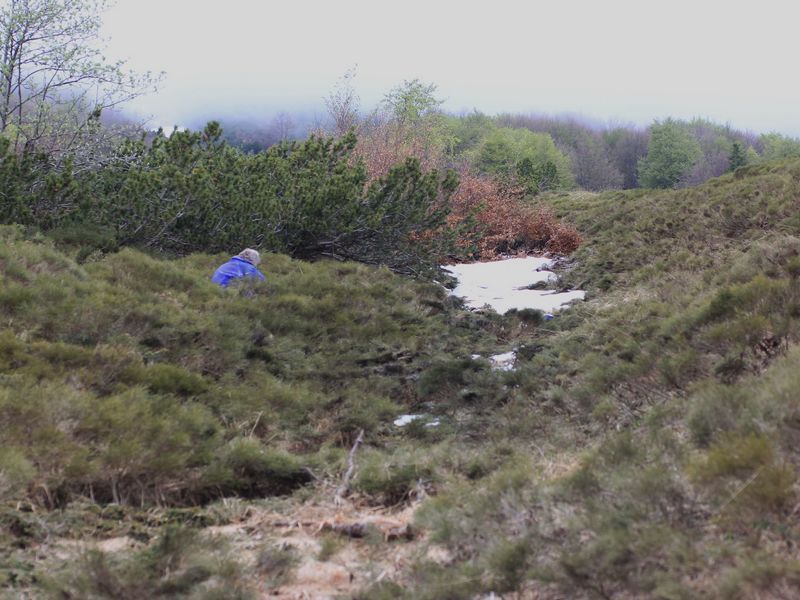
{"x": 245, "y": 467}
{"x": 391, "y": 480}
{"x": 507, "y": 564}
{"x": 14, "y": 297}
{"x": 734, "y": 456}
{"x": 757, "y": 574}
{"x": 178, "y": 564}
{"x": 16, "y": 472}
{"x": 448, "y": 375}
{"x": 169, "y": 379}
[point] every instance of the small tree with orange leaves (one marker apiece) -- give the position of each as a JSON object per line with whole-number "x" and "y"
{"x": 505, "y": 223}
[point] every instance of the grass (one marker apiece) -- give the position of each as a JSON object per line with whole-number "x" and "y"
{"x": 219, "y": 382}
{"x": 673, "y": 377}
{"x": 645, "y": 445}
{"x": 247, "y": 393}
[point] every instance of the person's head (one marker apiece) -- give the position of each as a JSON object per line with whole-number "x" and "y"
{"x": 251, "y": 256}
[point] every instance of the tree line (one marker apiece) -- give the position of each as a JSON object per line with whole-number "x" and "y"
{"x": 669, "y": 153}
{"x": 538, "y": 152}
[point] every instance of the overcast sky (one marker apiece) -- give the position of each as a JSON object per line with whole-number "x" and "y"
{"x": 627, "y": 61}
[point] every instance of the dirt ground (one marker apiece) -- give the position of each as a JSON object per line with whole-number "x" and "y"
{"x": 366, "y": 545}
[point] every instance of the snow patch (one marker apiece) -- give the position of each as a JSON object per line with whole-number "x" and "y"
{"x": 503, "y": 285}
{"x": 504, "y": 362}
{"x": 404, "y": 420}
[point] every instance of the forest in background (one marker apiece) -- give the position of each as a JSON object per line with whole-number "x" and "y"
{"x": 669, "y": 153}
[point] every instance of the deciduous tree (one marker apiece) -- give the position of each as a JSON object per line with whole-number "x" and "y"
{"x": 670, "y": 155}
{"x": 54, "y": 79}
{"x": 531, "y": 158}
{"x": 343, "y": 104}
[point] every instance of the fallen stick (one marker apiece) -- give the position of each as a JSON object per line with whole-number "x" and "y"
{"x": 351, "y": 467}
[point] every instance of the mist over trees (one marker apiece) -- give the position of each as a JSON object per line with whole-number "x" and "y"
{"x": 56, "y": 86}
{"x": 585, "y": 155}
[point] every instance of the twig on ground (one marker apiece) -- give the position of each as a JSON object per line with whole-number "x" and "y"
{"x": 740, "y": 490}
{"x": 351, "y": 467}
{"x": 258, "y": 420}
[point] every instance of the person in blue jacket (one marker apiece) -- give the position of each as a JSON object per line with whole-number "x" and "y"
{"x": 243, "y": 265}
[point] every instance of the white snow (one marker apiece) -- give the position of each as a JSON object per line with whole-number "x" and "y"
{"x": 404, "y": 420}
{"x": 500, "y": 284}
{"x": 504, "y": 362}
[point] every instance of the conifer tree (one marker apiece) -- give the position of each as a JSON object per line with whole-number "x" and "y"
{"x": 737, "y": 157}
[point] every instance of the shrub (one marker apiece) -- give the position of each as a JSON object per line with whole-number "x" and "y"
{"x": 758, "y": 573}
{"x": 714, "y": 410}
{"x": 768, "y": 485}
{"x": 179, "y": 563}
{"x": 276, "y": 563}
{"x": 307, "y": 199}
{"x": 169, "y": 379}
{"x": 734, "y": 456}
{"x": 505, "y": 223}
{"x": 14, "y": 297}
{"x": 391, "y": 479}
{"x": 247, "y": 468}
{"x": 329, "y": 545}
{"x": 508, "y": 563}
{"x": 16, "y": 471}
{"x": 443, "y": 376}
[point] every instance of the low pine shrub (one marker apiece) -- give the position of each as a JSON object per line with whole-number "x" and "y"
{"x": 276, "y": 563}
{"x": 16, "y": 472}
{"x": 169, "y": 379}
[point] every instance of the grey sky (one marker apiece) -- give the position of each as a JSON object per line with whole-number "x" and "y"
{"x": 610, "y": 60}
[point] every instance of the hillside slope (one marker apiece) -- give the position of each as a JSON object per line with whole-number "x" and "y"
{"x": 678, "y": 378}
{"x": 645, "y": 446}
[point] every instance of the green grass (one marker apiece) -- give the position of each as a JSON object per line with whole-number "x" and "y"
{"x": 645, "y": 446}
{"x": 303, "y": 361}
{"x": 132, "y": 381}
{"x": 674, "y": 379}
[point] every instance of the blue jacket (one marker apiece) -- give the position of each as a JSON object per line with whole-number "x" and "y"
{"x": 233, "y": 269}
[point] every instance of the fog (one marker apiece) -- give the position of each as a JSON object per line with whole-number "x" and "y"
{"x": 621, "y": 60}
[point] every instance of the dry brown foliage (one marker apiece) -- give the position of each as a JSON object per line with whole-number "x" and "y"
{"x": 506, "y": 222}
